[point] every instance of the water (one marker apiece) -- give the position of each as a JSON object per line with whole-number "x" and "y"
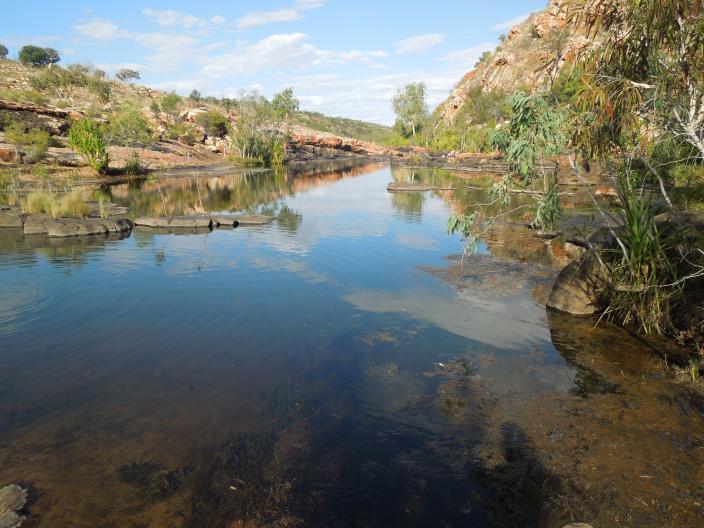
{"x": 339, "y": 367}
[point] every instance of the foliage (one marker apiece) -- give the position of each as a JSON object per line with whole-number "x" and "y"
{"x": 214, "y": 123}
{"x": 38, "y": 56}
{"x": 171, "y": 106}
{"x": 30, "y": 144}
{"x": 411, "y": 109}
{"x": 648, "y": 72}
{"x": 343, "y": 127}
{"x": 182, "y": 132}
{"x": 128, "y": 128}
{"x": 642, "y": 263}
{"x": 534, "y": 133}
{"x": 257, "y": 134}
{"x": 59, "y": 81}
{"x": 126, "y": 74}
{"x": 134, "y": 165}
{"x": 485, "y": 56}
{"x": 3, "y": 52}
{"x": 86, "y": 138}
{"x": 195, "y": 95}
{"x": 100, "y": 88}
{"x": 285, "y": 104}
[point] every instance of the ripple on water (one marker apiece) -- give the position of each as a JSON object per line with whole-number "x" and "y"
{"x": 20, "y": 303}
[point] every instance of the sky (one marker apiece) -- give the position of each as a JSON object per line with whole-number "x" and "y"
{"x": 341, "y": 57}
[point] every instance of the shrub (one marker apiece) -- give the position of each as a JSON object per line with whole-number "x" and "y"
{"x": 86, "y": 138}
{"x": 134, "y": 165}
{"x": 3, "y": 52}
{"x": 128, "y": 128}
{"x": 59, "y": 81}
{"x": 214, "y": 123}
{"x": 126, "y": 74}
{"x": 171, "y": 105}
{"x": 100, "y": 88}
{"x": 31, "y": 145}
{"x": 178, "y": 131}
{"x": 195, "y": 96}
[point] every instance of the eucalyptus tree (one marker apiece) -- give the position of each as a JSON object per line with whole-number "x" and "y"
{"x": 411, "y": 108}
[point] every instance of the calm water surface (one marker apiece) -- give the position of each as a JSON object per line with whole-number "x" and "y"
{"x": 338, "y": 367}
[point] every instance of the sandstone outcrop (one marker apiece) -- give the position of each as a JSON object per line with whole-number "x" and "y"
{"x": 529, "y": 57}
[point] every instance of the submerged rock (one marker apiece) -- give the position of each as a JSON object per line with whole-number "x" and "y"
{"x": 579, "y": 288}
{"x": 154, "y": 480}
{"x": 12, "y": 500}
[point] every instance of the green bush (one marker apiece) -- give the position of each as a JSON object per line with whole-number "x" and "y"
{"x": 31, "y": 145}
{"x": 100, "y": 88}
{"x": 38, "y": 56}
{"x": 58, "y": 81}
{"x": 3, "y": 52}
{"x": 181, "y": 131}
{"x": 171, "y": 106}
{"x": 214, "y": 123}
{"x": 134, "y": 165}
{"x": 682, "y": 175}
{"x": 86, "y": 138}
{"x": 128, "y": 128}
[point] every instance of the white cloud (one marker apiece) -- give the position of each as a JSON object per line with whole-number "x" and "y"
{"x": 170, "y": 18}
{"x": 99, "y": 29}
{"x": 289, "y": 50}
{"x": 419, "y": 44}
{"x": 467, "y": 56}
{"x": 218, "y": 19}
{"x": 508, "y": 24}
{"x": 291, "y": 14}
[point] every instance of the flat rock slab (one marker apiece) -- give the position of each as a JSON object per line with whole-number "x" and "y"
{"x": 253, "y": 220}
{"x": 194, "y": 221}
{"x": 410, "y": 187}
{"x": 68, "y": 227}
{"x": 12, "y": 500}
{"x": 11, "y": 218}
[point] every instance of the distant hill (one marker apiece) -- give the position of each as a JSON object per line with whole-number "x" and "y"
{"x": 344, "y": 127}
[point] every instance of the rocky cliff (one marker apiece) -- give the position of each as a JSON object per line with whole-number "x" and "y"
{"x": 530, "y": 56}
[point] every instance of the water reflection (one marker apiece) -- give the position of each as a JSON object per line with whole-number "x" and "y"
{"x": 341, "y": 366}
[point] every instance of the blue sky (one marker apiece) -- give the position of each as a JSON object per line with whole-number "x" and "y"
{"x": 344, "y": 58}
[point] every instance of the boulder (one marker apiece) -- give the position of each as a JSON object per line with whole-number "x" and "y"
{"x": 579, "y": 288}
{"x": 12, "y": 500}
